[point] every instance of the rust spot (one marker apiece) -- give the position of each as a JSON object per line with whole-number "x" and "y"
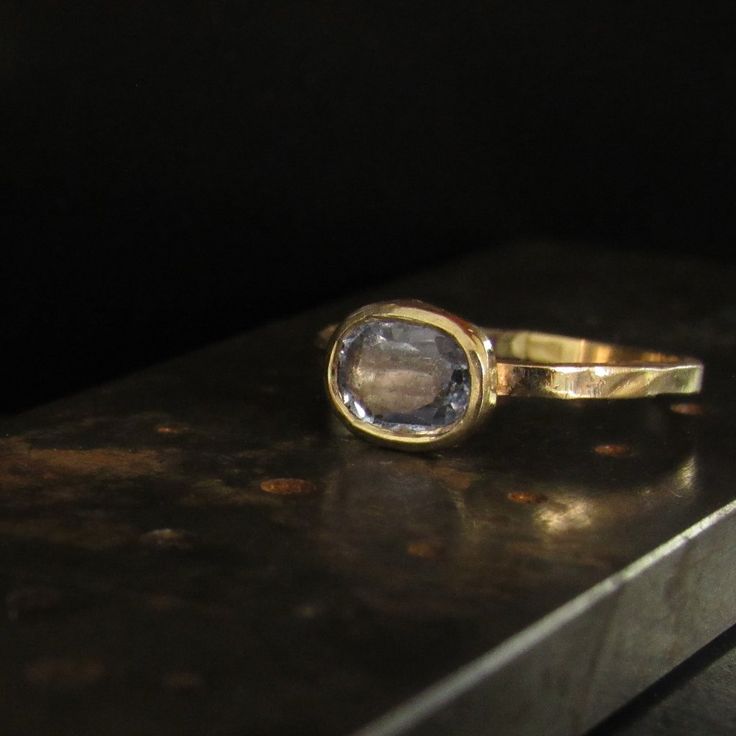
{"x": 60, "y": 673}
{"x": 168, "y": 539}
{"x": 172, "y": 428}
{"x": 527, "y": 497}
{"x": 427, "y": 549}
{"x": 688, "y": 409}
{"x": 212, "y": 492}
{"x": 30, "y": 602}
{"x": 614, "y": 450}
{"x": 288, "y": 486}
{"x": 454, "y": 479}
{"x": 182, "y": 681}
{"x": 23, "y": 465}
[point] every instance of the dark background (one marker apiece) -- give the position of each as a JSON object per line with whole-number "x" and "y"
{"x": 173, "y": 172}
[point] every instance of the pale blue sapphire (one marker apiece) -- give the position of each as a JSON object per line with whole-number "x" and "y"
{"x": 402, "y": 376}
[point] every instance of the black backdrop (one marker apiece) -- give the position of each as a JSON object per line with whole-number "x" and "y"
{"x": 173, "y": 172}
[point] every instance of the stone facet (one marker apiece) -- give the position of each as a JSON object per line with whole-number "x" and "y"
{"x": 403, "y": 376}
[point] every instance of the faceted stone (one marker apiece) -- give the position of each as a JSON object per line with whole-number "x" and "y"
{"x": 403, "y": 376}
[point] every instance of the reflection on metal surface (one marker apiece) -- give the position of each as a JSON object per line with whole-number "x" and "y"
{"x": 494, "y": 528}
{"x": 573, "y": 515}
{"x": 575, "y": 510}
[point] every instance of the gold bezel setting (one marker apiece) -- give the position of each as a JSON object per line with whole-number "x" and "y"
{"x": 482, "y": 374}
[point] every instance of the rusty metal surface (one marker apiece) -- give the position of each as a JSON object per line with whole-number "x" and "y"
{"x": 200, "y": 549}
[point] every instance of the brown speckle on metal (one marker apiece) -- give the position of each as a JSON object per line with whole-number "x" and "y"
{"x": 688, "y": 408}
{"x": 288, "y": 486}
{"x": 526, "y": 497}
{"x": 23, "y": 464}
{"x": 61, "y": 673}
{"x": 31, "y": 602}
{"x": 613, "y": 450}
{"x": 168, "y": 539}
{"x": 453, "y": 478}
{"x": 182, "y": 681}
{"x": 428, "y": 549}
{"x": 171, "y": 428}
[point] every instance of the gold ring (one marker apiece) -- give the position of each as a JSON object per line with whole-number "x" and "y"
{"x": 415, "y": 377}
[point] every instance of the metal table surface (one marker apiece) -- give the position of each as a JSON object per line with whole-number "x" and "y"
{"x": 200, "y": 549}
{"x": 695, "y": 699}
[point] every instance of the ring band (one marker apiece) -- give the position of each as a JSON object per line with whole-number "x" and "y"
{"x": 413, "y": 376}
{"x": 560, "y": 367}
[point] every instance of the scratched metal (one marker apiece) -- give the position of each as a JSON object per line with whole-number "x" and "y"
{"x": 201, "y": 549}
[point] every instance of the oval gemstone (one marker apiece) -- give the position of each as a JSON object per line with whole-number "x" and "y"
{"x": 403, "y": 376}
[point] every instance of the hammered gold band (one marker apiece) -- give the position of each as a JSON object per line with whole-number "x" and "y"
{"x": 560, "y": 367}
